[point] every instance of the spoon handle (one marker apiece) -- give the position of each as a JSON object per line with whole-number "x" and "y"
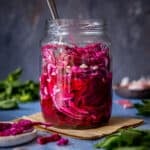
{"x": 53, "y": 9}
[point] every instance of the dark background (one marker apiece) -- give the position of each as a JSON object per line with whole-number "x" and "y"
{"x": 22, "y": 27}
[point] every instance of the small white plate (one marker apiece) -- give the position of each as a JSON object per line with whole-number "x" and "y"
{"x": 13, "y": 140}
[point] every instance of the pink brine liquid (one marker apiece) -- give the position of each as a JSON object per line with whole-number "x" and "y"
{"x": 75, "y": 85}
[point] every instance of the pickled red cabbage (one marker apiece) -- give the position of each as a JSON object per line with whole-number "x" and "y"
{"x": 75, "y": 85}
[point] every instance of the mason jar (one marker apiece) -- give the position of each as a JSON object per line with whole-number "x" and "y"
{"x": 76, "y": 77}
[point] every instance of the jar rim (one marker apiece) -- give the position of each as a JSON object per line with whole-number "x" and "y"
{"x": 77, "y": 21}
{"x": 87, "y": 26}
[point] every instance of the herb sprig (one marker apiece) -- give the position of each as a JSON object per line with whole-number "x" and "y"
{"x": 13, "y": 91}
{"x": 126, "y": 139}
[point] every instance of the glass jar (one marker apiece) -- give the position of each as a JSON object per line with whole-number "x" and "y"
{"x": 76, "y": 77}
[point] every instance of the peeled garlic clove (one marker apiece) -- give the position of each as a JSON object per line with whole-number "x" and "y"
{"x": 124, "y": 81}
{"x": 136, "y": 86}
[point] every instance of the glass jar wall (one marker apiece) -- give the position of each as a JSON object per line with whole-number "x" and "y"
{"x": 76, "y": 77}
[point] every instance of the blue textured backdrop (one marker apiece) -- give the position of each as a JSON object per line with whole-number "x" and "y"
{"x": 22, "y": 25}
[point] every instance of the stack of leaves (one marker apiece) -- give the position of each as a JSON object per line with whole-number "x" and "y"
{"x": 13, "y": 91}
{"x": 127, "y": 139}
{"x": 143, "y": 108}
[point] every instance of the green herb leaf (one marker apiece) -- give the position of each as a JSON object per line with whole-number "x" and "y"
{"x": 109, "y": 142}
{"x": 13, "y": 89}
{"x": 144, "y": 108}
{"x": 126, "y": 139}
{"x": 8, "y": 104}
{"x": 131, "y": 148}
{"x": 14, "y": 75}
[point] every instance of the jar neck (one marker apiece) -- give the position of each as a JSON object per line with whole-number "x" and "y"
{"x": 66, "y": 26}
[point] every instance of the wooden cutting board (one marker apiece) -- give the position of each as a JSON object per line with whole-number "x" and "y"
{"x": 114, "y": 125}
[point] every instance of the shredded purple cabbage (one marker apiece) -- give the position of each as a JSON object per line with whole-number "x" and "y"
{"x": 75, "y": 84}
{"x": 46, "y": 139}
{"x": 22, "y": 126}
{"x": 4, "y": 126}
{"x": 62, "y": 142}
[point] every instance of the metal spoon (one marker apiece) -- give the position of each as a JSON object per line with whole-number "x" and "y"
{"x": 52, "y": 7}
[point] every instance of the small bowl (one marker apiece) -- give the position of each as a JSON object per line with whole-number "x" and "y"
{"x": 13, "y": 140}
{"x": 136, "y": 94}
